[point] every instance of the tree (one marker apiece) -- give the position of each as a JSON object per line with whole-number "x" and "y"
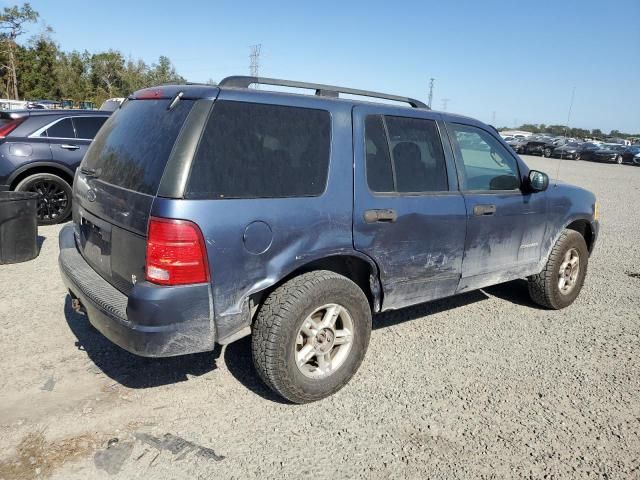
{"x": 107, "y": 72}
{"x": 37, "y": 68}
{"x": 72, "y": 75}
{"x": 163, "y": 72}
{"x": 12, "y": 21}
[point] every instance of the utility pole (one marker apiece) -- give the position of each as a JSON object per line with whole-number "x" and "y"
{"x": 445, "y": 102}
{"x": 430, "y": 91}
{"x": 254, "y": 61}
{"x": 493, "y": 118}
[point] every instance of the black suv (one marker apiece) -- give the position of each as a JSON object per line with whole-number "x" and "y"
{"x": 204, "y": 214}
{"x": 40, "y": 151}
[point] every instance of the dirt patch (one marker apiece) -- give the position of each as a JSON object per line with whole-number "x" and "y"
{"x": 36, "y": 457}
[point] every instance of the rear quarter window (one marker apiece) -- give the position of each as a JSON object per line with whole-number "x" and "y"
{"x": 252, "y": 150}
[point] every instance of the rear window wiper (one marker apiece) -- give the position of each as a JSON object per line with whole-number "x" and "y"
{"x": 90, "y": 172}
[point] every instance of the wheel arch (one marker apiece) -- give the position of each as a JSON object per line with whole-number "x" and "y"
{"x": 354, "y": 265}
{"x": 40, "y": 167}
{"x": 583, "y": 227}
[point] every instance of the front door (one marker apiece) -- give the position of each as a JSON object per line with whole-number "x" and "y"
{"x": 409, "y": 216}
{"x": 505, "y": 226}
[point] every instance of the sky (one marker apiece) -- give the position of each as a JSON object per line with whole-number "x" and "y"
{"x": 503, "y": 62}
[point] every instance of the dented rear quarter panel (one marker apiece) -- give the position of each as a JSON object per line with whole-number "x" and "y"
{"x": 302, "y": 229}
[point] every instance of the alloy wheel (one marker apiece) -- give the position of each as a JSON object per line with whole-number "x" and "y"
{"x": 52, "y": 199}
{"x": 324, "y": 340}
{"x": 569, "y": 271}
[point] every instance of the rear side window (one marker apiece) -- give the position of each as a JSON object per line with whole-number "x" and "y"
{"x": 404, "y": 155}
{"x": 133, "y": 147}
{"x": 252, "y": 150}
{"x": 61, "y": 129}
{"x": 87, "y": 127}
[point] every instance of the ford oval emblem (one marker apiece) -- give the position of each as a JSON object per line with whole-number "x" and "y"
{"x": 91, "y": 195}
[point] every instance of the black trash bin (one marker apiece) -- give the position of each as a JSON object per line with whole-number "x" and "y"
{"x": 18, "y": 226}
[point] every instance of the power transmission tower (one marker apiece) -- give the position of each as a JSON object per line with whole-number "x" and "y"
{"x": 430, "y": 91}
{"x": 254, "y": 61}
{"x": 445, "y": 102}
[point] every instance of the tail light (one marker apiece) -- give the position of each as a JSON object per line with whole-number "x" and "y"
{"x": 176, "y": 253}
{"x": 10, "y": 126}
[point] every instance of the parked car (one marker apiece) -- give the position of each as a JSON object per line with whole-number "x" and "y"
{"x": 575, "y": 151}
{"x": 203, "y": 214}
{"x": 539, "y": 145}
{"x": 518, "y": 144}
{"x": 40, "y": 151}
{"x": 608, "y": 152}
{"x": 631, "y": 155}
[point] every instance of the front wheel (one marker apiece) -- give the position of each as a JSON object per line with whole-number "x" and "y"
{"x": 54, "y": 196}
{"x": 310, "y": 336}
{"x": 547, "y": 152}
{"x": 619, "y": 159}
{"x": 559, "y": 284}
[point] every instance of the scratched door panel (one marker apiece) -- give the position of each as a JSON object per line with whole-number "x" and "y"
{"x": 418, "y": 240}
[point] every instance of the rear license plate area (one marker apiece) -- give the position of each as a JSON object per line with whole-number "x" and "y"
{"x": 95, "y": 242}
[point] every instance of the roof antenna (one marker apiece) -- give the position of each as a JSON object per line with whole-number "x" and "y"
{"x": 566, "y": 128}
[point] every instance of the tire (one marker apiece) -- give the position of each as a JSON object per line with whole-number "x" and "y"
{"x": 577, "y": 156}
{"x": 277, "y": 339}
{"x": 545, "y": 287}
{"x": 619, "y": 159}
{"x": 54, "y": 204}
{"x": 546, "y": 152}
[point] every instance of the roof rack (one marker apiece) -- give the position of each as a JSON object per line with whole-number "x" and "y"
{"x": 321, "y": 89}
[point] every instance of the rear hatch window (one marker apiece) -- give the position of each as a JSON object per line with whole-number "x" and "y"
{"x": 132, "y": 149}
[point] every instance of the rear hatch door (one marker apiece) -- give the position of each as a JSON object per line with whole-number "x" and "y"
{"x": 118, "y": 180}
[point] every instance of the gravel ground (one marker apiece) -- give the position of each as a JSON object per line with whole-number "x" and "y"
{"x": 483, "y": 385}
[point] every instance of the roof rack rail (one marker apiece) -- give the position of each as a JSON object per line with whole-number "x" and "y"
{"x": 321, "y": 89}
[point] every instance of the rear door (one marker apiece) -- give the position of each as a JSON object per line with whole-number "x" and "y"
{"x": 117, "y": 182}
{"x": 65, "y": 147}
{"x": 408, "y": 213}
{"x": 505, "y": 226}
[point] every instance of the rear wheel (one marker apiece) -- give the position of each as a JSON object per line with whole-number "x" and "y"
{"x": 559, "y": 284}
{"x": 54, "y": 196}
{"x": 547, "y": 152}
{"x": 619, "y": 159}
{"x": 310, "y": 336}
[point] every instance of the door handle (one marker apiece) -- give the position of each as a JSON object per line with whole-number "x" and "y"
{"x": 381, "y": 215}
{"x": 69, "y": 147}
{"x": 482, "y": 210}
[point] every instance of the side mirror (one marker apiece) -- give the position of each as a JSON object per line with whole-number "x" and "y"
{"x": 538, "y": 181}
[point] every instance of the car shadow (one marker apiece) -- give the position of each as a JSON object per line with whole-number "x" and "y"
{"x": 137, "y": 372}
{"x": 39, "y": 242}
{"x": 515, "y": 291}
{"x": 239, "y": 362}
{"x": 131, "y": 370}
{"x": 395, "y": 317}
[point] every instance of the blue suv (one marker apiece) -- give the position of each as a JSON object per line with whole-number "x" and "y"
{"x": 203, "y": 214}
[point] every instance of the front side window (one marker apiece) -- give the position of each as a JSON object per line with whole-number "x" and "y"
{"x": 253, "y": 150}
{"x": 61, "y": 129}
{"x": 487, "y": 164}
{"x": 404, "y": 155}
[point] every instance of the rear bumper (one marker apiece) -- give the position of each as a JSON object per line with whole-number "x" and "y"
{"x": 153, "y": 321}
